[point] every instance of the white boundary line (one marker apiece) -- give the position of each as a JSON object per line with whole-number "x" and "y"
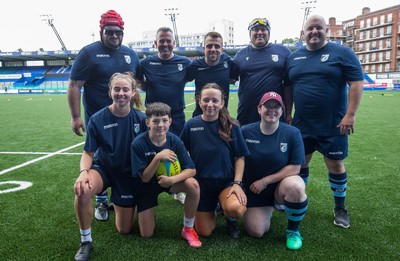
{"x": 37, "y": 153}
{"x": 40, "y": 158}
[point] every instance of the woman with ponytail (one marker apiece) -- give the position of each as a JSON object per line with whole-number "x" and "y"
{"x": 216, "y": 145}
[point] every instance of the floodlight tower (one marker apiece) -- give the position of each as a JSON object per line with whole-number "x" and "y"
{"x": 307, "y": 9}
{"x": 47, "y": 18}
{"x": 172, "y": 13}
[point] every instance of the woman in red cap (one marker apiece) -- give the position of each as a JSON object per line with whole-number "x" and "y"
{"x": 271, "y": 171}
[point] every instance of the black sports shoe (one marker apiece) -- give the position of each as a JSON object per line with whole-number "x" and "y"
{"x": 83, "y": 253}
{"x": 341, "y": 218}
{"x": 233, "y": 229}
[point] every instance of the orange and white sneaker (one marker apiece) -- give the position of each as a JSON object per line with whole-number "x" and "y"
{"x": 191, "y": 236}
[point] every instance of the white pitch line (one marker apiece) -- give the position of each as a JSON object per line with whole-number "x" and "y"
{"x": 37, "y": 153}
{"x": 40, "y": 158}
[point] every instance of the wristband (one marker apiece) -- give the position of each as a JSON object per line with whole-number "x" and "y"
{"x": 82, "y": 170}
{"x": 238, "y": 182}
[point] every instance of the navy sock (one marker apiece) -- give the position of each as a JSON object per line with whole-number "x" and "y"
{"x": 304, "y": 174}
{"x": 338, "y": 184}
{"x": 295, "y": 213}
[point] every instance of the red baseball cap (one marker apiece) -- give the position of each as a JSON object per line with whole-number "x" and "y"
{"x": 271, "y": 96}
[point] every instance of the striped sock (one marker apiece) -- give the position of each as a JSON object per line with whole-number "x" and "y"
{"x": 86, "y": 234}
{"x": 101, "y": 198}
{"x": 295, "y": 213}
{"x": 338, "y": 184}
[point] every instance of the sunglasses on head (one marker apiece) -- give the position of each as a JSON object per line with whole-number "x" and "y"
{"x": 259, "y": 21}
{"x": 112, "y": 32}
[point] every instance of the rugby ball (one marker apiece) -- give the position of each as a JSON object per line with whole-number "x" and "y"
{"x": 168, "y": 168}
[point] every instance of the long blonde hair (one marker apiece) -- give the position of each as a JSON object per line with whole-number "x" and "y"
{"x": 135, "y": 101}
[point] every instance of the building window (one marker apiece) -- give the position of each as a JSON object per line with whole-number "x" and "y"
{"x": 366, "y": 68}
{"x": 373, "y": 57}
{"x": 380, "y": 68}
{"x": 382, "y": 19}
{"x": 380, "y": 55}
{"x": 389, "y": 30}
{"x": 373, "y": 45}
{"x": 387, "y": 55}
{"x": 361, "y": 35}
{"x": 360, "y": 46}
{"x": 362, "y": 24}
{"x": 368, "y": 22}
{"x": 387, "y": 67}
{"x": 373, "y": 70}
{"x": 380, "y": 44}
{"x": 374, "y": 33}
{"x": 367, "y": 33}
{"x": 381, "y": 31}
{"x": 390, "y": 18}
{"x": 388, "y": 43}
{"x": 375, "y": 21}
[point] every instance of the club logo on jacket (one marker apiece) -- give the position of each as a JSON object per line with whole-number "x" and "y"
{"x": 127, "y": 59}
{"x": 180, "y": 66}
{"x": 136, "y": 127}
{"x": 274, "y": 57}
{"x": 324, "y": 57}
{"x": 283, "y": 147}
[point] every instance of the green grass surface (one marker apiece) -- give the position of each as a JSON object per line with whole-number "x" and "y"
{"x": 39, "y": 223}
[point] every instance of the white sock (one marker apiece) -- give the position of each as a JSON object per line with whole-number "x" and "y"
{"x": 188, "y": 222}
{"x": 86, "y": 235}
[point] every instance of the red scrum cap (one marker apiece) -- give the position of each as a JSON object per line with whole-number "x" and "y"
{"x": 111, "y": 18}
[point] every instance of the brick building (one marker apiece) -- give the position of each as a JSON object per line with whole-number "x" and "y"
{"x": 375, "y": 38}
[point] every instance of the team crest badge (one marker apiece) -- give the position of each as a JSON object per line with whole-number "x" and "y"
{"x": 225, "y": 65}
{"x": 283, "y": 147}
{"x": 136, "y": 127}
{"x": 324, "y": 57}
{"x": 180, "y": 67}
{"x": 127, "y": 59}
{"x": 275, "y": 57}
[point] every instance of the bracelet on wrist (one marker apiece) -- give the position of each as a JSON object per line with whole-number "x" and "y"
{"x": 82, "y": 170}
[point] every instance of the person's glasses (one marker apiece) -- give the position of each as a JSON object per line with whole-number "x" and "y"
{"x": 112, "y": 32}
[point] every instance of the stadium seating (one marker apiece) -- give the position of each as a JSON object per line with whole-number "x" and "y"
{"x": 40, "y": 77}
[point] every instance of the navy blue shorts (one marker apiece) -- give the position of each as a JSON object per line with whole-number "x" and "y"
{"x": 209, "y": 192}
{"x": 123, "y": 188}
{"x": 147, "y": 196}
{"x": 264, "y": 199}
{"x": 333, "y": 147}
{"x": 178, "y": 121}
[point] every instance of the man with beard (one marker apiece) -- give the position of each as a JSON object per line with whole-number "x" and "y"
{"x": 92, "y": 70}
{"x": 261, "y": 69}
{"x": 164, "y": 79}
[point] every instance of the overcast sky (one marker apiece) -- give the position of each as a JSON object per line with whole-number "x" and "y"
{"x": 77, "y": 20}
